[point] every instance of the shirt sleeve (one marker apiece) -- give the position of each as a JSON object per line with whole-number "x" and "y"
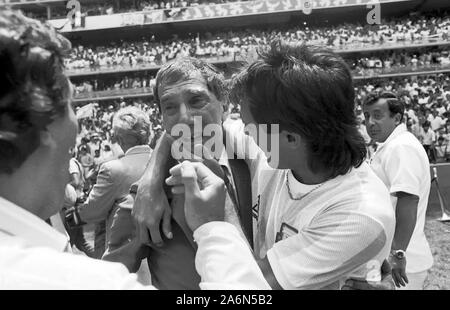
{"x": 224, "y": 260}
{"x": 331, "y": 248}
{"x": 399, "y": 173}
{"x": 73, "y": 167}
{"x": 44, "y": 268}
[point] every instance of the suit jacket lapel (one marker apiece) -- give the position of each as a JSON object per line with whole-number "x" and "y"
{"x": 177, "y": 204}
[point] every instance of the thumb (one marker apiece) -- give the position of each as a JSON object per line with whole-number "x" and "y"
{"x": 189, "y": 179}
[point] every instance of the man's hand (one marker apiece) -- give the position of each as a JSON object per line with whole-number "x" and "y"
{"x": 150, "y": 206}
{"x": 204, "y": 193}
{"x": 398, "y": 270}
{"x": 386, "y": 282}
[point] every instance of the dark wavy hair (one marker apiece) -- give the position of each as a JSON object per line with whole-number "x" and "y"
{"x": 307, "y": 90}
{"x": 33, "y": 87}
{"x": 182, "y": 69}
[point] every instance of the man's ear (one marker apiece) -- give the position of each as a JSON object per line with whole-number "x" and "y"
{"x": 398, "y": 118}
{"x": 291, "y": 139}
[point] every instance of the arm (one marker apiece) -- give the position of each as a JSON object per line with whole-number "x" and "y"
{"x": 328, "y": 250}
{"x": 151, "y": 205}
{"x": 405, "y": 183}
{"x": 406, "y": 216}
{"x": 75, "y": 180}
{"x": 333, "y": 246}
{"x": 224, "y": 260}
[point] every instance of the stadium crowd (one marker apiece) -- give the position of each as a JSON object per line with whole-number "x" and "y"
{"x": 388, "y": 62}
{"x": 396, "y": 61}
{"x": 151, "y": 52}
{"x": 427, "y": 116}
{"x": 96, "y": 9}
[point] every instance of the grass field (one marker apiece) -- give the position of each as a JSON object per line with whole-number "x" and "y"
{"x": 438, "y": 233}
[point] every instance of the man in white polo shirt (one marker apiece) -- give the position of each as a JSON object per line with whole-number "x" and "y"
{"x": 402, "y": 164}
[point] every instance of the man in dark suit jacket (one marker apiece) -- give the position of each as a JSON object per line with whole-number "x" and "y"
{"x": 188, "y": 89}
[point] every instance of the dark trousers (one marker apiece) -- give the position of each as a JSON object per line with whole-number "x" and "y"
{"x": 431, "y": 152}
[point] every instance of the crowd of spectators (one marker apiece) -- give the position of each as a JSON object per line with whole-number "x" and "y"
{"x": 122, "y": 6}
{"x": 400, "y": 61}
{"x": 427, "y": 116}
{"x": 95, "y": 142}
{"x": 151, "y": 52}
{"x": 133, "y": 81}
{"x": 387, "y": 62}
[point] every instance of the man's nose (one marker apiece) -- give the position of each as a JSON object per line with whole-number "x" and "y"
{"x": 185, "y": 114}
{"x": 371, "y": 121}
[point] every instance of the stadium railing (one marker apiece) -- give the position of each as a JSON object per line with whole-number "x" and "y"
{"x": 360, "y": 47}
{"x": 361, "y": 75}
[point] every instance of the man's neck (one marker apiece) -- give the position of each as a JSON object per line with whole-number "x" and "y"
{"x": 305, "y": 176}
{"x": 26, "y": 198}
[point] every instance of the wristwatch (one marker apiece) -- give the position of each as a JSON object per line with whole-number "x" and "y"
{"x": 400, "y": 254}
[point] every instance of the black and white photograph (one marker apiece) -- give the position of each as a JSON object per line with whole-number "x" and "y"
{"x": 226, "y": 145}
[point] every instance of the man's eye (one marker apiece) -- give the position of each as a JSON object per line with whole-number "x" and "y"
{"x": 197, "y": 101}
{"x": 169, "y": 108}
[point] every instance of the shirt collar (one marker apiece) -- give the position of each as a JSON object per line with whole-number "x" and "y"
{"x": 18, "y": 222}
{"x": 400, "y": 129}
{"x": 223, "y": 159}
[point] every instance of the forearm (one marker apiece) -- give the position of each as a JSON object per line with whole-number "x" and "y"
{"x": 158, "y": 165}
{"x": 406, "y": 216}
{"x": 75, "y": 181}
{"x": 223, "y": 259}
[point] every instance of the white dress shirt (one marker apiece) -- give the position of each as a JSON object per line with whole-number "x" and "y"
{"x": 402, "y": 164}
{"x": 32, "y": 257}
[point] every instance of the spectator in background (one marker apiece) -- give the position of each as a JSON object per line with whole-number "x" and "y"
{"x": 107, "y": 153}
{"x": 442, "y": 150}
{"x": 86, "y": 160}
{"x": 402, "y": 164}
{"x": 435, "y": 120}
{"x": 428, "y": 138}
{"x": 131, "y": 128}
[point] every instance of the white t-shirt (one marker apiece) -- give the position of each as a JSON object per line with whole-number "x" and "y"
{"x": 344, "y": 228}
{"x": 436, "y": 123}
{"x": 402, "y": 164}
{"x": 428, "y": 137}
